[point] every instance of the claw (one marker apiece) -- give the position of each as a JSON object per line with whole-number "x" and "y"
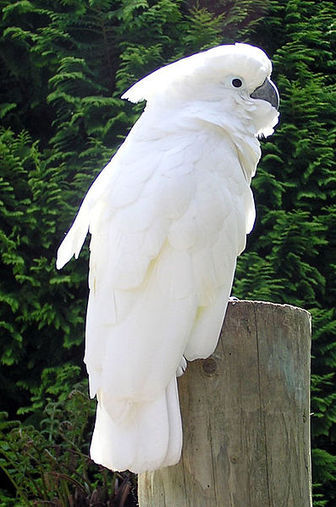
{"x": 181, "y": 367}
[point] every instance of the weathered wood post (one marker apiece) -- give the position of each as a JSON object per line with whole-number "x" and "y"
{"x": 245, "y": 417}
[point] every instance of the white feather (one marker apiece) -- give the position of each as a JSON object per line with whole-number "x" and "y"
{"x": 148, "y": 438}
{"x": 168, "y": 217}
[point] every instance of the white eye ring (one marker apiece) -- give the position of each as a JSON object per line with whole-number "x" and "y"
{"x": 236, "y": 82}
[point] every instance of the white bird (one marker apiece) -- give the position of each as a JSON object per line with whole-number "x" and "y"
{"x": 168, "y": 217}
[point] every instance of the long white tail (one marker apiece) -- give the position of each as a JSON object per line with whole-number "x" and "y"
{"x": 148, "y": 437}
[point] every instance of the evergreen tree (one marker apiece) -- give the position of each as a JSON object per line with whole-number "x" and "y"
{"x": 65, "y": 64}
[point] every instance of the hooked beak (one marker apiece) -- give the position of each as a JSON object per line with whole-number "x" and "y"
{"x": 267, "y": 91}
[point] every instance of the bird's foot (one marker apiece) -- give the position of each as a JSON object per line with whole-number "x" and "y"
{"x": 181, "y": 367}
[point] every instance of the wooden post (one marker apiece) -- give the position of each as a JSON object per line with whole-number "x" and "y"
{"x": 245, "y": 414}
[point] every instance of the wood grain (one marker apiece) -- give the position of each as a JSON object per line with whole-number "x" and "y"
{"x": 245, "y": 414}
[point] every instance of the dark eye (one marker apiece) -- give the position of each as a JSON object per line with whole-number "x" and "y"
{"x": 237, "y": 83}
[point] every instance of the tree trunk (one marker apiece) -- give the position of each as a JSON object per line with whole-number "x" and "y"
{"x": 245, "y": 413}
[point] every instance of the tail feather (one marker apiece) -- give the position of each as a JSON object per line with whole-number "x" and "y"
{"x": 149, "y": 437}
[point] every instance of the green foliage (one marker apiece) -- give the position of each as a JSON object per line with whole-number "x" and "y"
{"x": 65, "y": 64}
{"x": 48, "y": 463}
{"x": 238, "y": 20}
{"x": 33, "y": 319}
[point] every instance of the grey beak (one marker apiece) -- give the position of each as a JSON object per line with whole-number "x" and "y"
{"x": 267, "y": 91}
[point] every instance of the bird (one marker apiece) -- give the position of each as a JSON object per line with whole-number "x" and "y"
{"x": 168, "y": 216}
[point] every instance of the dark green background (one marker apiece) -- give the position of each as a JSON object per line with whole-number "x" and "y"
{"x": 64, "y": 65}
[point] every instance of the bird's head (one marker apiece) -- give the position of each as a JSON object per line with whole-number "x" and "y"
{"x": 227, "y": 85}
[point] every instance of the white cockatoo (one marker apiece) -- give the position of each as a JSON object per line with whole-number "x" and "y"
{"x": 168, "y": 217}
